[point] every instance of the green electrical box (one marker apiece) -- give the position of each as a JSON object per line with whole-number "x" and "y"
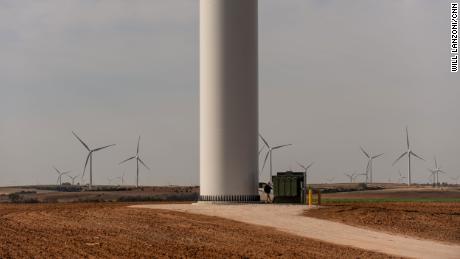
{"x": 288, "y": 187}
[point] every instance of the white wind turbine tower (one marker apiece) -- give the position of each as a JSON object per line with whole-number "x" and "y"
{"x": 269, "y": 153}
{"x": 122, "y": 178}
{"x": 72, "y": 178}
{"x": 60, "y": 174}
{"x": 138, "y": 159}
{"x": 90, "y": 158}
{"x": 435, "y": 172}
{"x": 409, "y": 154}
{"x": 369, "y": 167}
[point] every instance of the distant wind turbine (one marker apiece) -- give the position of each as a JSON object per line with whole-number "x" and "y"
{"x": 330, "y": 180}
{"x": 60, "y": 174}
{"x": 90, "y": 158}
{"x": 409, "y": 154}
{"x": 138, "y": 159}
{"x": 305, "y": 176}
{"x": 363, "y": 174}
{"x": 369, "y": 167}
{"x": 401, "y": 177}
{"x": 269, "y": 153}
{"x": 431, "y": 177}
{"x": 351, "y": 176}
{"x": 455, "y": 178}
{"x": 435, "y": 172}
{"x": 72, "y": 178}
{"x": 122, "y": 178}
{"x": 110, "y": 180}
{"x": 305, "y": 168}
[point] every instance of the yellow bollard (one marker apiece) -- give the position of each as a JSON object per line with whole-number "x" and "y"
{"x": 310, "y": 197}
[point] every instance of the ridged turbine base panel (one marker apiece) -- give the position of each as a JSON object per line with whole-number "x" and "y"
{"x": 230, "y": 198}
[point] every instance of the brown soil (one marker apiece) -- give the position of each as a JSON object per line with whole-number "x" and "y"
{"x": 438, "y": 221}
{"x": 113, "y": 231}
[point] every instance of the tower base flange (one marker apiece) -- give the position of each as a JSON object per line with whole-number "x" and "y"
{"x": 230, "y": 198}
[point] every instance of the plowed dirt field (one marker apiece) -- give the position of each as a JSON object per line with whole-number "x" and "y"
{"x": 114, "y": 231}
{"x": 430, "y": 220}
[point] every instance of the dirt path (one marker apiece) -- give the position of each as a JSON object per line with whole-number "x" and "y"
{"x": 289, "y": 218}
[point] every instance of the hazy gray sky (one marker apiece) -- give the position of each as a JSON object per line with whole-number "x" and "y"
{"x": 334, "y": 75}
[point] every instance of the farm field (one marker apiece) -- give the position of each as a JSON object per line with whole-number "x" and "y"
{"x": 398, "y": 194}
{"x": 103, "y": 194}
{"x": 95, "y": 223}
{"x": 424, "y": 213}
{"x": 108, "y": 230}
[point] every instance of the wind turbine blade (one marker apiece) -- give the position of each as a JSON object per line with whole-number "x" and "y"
{"x": 308, "y": 167}
{"x": 56, "y": 170}
{"x": 143, "y": 164}
{"x": 301, "y": 165}
{"x": 401, "y": 156}
{"x": 86, "y": 163}
{"x": 435, "y": 163}
{"x": 81, "y": 141}
{"x": 417, "y": 156}
{"x": 368, "y": 165}
{"x": 126, "y": 160}
{"x": 277, "y": 147}
{"x": 407, "y": 138}
{"x": 260, "y": 150}
{"x": 265, "y": 160}
{"x": 138, "y": 141}
{"x": 66, "y": 172}
{"x": 97, "y": 149}
{"x": 266, "y": 143}
{"x": 377, "y": 156}
{"x": 441, "y": 171}
{"x": 364, "y": 152}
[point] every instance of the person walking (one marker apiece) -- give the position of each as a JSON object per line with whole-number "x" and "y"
{"x": 268, "y": 189}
